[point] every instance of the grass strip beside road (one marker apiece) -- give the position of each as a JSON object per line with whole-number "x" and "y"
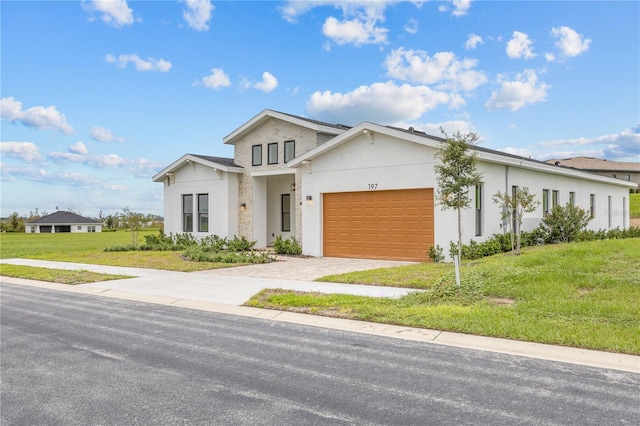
{"x": 61, "y": 276}
{"x": 580, "y": 294}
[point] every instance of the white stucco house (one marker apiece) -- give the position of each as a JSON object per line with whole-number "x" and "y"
{"x": 363, "y": 192}
{"x": 62, "y": 221}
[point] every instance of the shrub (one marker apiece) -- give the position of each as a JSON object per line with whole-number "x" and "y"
{"x": 240, "y": 244}
{"x": 203, "y": 254}
{"x": 564, "y": 223}
{"x": 289, "y": 246}
{"x": 435, "y": 254}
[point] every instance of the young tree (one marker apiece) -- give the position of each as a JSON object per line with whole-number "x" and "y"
{"x": 456, "y": 174}
{"x": 133, "y": 222}
{"x": 514, "y": 207}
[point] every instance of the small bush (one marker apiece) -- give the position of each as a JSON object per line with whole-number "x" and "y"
{"x": 435, "y": 254}
{"x": 289, "y": 246}
{"x": 203, "y": 254}
{"x": 563, "y": 223}
{"x": 240, "y": 244}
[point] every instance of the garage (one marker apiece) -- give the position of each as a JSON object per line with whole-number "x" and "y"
{"x": 391, "y": 225}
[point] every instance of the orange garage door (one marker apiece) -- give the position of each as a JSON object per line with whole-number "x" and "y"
{"x": 396, "y": 225}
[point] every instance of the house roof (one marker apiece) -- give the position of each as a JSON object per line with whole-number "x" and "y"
{"x": 422, "y": 138}
{"x": 220, "y": 163}
{"x": 318, "y": 126}
{"x": 597, "y": 164}
{"x": 63, "y": 217}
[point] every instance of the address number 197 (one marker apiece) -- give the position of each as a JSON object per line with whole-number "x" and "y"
{"x": 373, "y": 186}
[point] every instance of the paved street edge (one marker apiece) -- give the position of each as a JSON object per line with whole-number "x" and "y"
{"x": 622, "y": 362}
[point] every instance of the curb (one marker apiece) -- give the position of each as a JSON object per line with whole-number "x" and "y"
{"x": 586, "y": 357}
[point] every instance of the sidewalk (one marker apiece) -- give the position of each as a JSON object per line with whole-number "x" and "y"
{"x": 221, "y": 293}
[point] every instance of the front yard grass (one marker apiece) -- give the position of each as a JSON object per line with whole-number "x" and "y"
{"x": 62, "y": 276}
{"x": 89, "y": 248}
{"x": 580, "y": 294}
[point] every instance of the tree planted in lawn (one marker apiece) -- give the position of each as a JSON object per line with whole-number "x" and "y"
{"x": 456, "y": 174}
{"x": 514, "y": 207}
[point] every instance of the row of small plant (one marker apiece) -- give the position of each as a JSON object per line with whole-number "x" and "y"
{"x": 211, "y": 248}
{"x": 563, "y": 224}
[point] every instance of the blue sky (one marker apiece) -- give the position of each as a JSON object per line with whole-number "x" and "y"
{"x": 98, "y": 96}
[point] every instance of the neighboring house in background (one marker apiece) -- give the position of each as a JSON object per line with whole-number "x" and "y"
{"x": 62, "y": 221}
{"x": 363, "y": 192}
{"x": 617, "y": 169}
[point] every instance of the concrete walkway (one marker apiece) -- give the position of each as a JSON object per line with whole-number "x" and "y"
{"x": 221, "y": 291}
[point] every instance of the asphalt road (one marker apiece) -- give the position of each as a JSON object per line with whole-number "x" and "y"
{"x": 74, "y": 359}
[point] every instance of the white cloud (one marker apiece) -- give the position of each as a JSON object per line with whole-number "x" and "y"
{"x": 461, "y": 7}
{"x": 473, "y": 41}
{"x": 42, "y": 118}
{"x": 550, "y": 57}
{"x": 139, "y": 167}
{"x": 78, "y": 148}
{"x": 569, "y": 41}
{"x": 10, "y": 172}
{"x": 26, "y": 151}
{"x": 114, "y": 12}
{"x": 197, "y": 13}
{"x": 624, "y": 146}
{"x": 101, "y": 134}
{"x": 357, "y": 26}
{"x": 443, "y": 69}
{"x": 217, "y": 79}
{"x": 380, "y": 103}
{"x": 141, "y": 65}
{"x": 514, "y": 94}
{"x": 268, "y": 83}
{"x": 520, "y": 46}
{"x": 411, "y": 26}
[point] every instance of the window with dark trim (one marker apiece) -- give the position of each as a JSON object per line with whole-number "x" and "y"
{"x": 289, "y": 150}
{"x": 609, "y": 210}
{"x": 545, "y": 202}
{"x": 187, "y": 213}
{"x": 272, "y": 153}
{"x": 555, "y": 198}
{"x": 514, "y": 218}
{"x": 285, "y": 202}
{"x": 479, "y": 210}
{"x": 256, "y": 155}
{"x": 592, "y": 205}
{"x": 624, "y": 211}
{"x": 572, "y": 198}
{"x": 203, "y": 212}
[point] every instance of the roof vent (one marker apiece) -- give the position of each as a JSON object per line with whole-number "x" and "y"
{"x": 557, "y": 163}
{"x": 411, "y": 129}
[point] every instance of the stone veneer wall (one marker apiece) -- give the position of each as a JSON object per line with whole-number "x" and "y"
{"x": 272, "y": 130}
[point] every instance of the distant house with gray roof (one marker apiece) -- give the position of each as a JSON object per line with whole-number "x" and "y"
{"x": 60, "y": 222}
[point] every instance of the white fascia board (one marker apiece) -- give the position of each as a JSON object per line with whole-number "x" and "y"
{"x": 273, "y": 173}
{"x": 422, "y": 139}
{"x": 192, "y": 158}
{"x": 267, "y": 113}
{"x": 529, "y": 164}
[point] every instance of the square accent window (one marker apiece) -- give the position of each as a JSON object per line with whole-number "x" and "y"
{"x": 272, "y": 153}
{"x": 203, "y": 212}
{"x": 187, "y": 213}
{"x": 289, "y": 150}
{"x": 256, "y": 155}
{"x": 79, "y": 227}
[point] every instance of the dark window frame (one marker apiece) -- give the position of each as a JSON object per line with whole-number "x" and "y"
{"x": 478, "y": 209}
{"x": 271, "y": 160}
{"x": 203, "y": 214}
{"x": 545, "y": 202}
{"x": 289, "y": 150}
{"x": 592, "y": 205}
{"x": 555, "y": 198}
{"x": 187, "y": 213}
{"x": 285, "y": 212}
{"x": 256, "y": 160}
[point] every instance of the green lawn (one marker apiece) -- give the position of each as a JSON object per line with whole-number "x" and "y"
{"x": 56, "y": 275}
{"x": 580, "y": 294}
{"x": 89, "y": 248}
{"x": 634, "y": 205}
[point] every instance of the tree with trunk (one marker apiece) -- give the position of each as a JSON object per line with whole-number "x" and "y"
{"x": 456, "y": 173}
{"x": 513, "y": 208}
{"x": 133, "y": 222}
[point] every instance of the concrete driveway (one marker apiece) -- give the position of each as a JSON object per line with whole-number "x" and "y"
{"x": 233, "y": 286}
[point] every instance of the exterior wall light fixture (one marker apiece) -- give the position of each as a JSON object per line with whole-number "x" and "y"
{"x": 243, "y": 206}
{"x": 293, "y": 187}
{"x": 309, "y": 200}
